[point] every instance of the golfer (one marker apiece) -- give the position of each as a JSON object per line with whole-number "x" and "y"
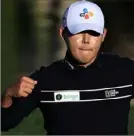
{"x": 88, "y": 92}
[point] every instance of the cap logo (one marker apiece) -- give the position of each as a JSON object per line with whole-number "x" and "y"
{"x": 86, "y": 14}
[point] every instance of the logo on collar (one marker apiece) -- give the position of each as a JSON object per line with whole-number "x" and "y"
{"x": 86, "y": 14}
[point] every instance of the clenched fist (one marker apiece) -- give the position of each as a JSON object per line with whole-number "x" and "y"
{"x": 22, "y": 88}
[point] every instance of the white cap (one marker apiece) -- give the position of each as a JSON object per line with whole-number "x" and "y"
{"x": 83, "y": 15}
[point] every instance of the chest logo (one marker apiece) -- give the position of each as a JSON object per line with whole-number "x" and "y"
{"x": 67, "y": 96}
{"x": 111, "y": 93}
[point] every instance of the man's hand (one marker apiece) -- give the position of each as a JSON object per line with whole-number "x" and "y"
{"x": 20, "y": 89}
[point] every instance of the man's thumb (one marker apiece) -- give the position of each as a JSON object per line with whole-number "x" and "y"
{"x": 35, "y": 82}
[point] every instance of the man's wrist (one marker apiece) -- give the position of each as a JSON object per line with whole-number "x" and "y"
{"x": 7, "y": 99}
{"x": 8, "y": 93}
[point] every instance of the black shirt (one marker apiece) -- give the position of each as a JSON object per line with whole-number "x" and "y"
{"x": 78, "y": 100}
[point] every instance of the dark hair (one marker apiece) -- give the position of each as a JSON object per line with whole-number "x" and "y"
{"x": 66, "y": 32}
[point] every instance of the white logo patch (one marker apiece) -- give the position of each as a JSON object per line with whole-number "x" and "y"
{"x": 67, "y": 96}
{"x": 111, "y": 93}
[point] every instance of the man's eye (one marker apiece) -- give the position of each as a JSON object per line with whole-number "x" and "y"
{"x": 94, "y": 33}
{"x": 91, "y": 32}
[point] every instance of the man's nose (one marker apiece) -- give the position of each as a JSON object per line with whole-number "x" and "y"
{"x": 86, "y": 38}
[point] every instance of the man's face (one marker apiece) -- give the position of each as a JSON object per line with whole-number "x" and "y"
{"x": 84, "y": 46}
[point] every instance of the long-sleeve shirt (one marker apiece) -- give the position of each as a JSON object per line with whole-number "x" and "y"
{"x": 79, "y": 100}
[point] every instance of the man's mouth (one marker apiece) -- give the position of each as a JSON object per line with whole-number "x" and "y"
{"x": 84, "y": 49}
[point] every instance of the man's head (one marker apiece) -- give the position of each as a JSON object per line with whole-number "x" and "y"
{"x": 83, "y": 30}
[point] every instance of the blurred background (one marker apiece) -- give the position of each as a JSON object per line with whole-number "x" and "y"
{"x": 30, "y": 39}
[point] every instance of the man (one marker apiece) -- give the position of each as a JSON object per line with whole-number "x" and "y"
{"x": 88, "y": 92}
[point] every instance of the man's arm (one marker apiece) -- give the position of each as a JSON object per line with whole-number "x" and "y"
{"x": 14, "y": 109}
{"x": 132, "y": 62}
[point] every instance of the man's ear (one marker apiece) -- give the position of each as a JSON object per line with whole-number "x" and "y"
{"x": 104, "y": 34}
{"x": 61, "y": 32}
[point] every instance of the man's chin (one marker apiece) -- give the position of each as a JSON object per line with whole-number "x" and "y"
{"x": 84, "y": 62}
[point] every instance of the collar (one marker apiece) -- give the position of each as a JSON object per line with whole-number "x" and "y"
{"x": 72, "y": 64}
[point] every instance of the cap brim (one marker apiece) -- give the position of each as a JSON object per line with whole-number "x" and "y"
{"x": 83, "y": 27}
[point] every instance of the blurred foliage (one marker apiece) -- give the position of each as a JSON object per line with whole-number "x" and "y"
{"x": 30, "y": 38}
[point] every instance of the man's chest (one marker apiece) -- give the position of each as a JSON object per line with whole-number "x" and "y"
{"x": 88, "y": 86}
{"x": 92, "y": 99}
{"x": 77, "y": 90}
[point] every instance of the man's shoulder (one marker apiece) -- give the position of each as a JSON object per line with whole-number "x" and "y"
{"x": 52, "y": 68}
{"x": 55, "y": 65}
{"x": 113, "y": 57}
{"x": 115, "y": 60}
